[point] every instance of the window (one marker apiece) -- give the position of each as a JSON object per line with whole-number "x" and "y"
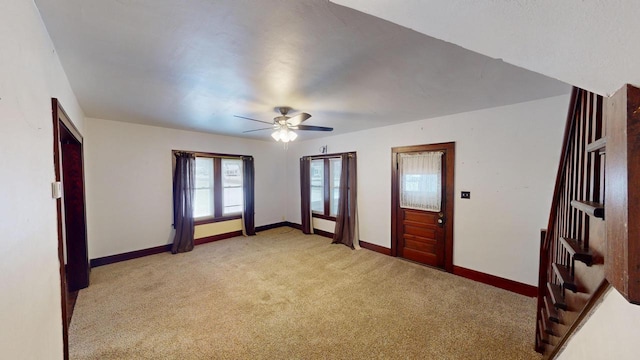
{"x": 232, "y": 186}
{"x": 421, "y": 180}
{"x": 325, "y": 187}
{"x": 317, "y": 186}
{"x": 204, "y": 192}
{"x": 335, "y": 166}
{"x": 219, "y": 192}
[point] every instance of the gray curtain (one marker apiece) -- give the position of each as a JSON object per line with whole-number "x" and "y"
{"x": 305, "y": 194}
{"x": 346, "y": 231}
{"x": 183, "y": 194}
{"x": 248, "y": 185}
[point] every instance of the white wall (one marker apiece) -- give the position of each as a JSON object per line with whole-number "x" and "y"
{"x": 507, "y": 157}
{"x": 129, "y": 181}
{"x": 610, "y": 333}
{"x": 30, "y": 75}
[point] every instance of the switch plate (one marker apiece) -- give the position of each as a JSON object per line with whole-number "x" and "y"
{"x": 465, "y": 194}
{"x": 56, "y": 190}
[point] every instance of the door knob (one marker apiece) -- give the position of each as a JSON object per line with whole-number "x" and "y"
{"x": 441, "y": 221}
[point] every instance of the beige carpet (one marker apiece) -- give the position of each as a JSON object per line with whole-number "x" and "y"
{"x": 283, "y": 295}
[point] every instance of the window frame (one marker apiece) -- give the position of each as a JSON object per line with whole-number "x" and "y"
{"x": 218, "y": 190}
{"x": 326, "y": 214}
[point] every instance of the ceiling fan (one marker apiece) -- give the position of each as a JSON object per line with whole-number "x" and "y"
{"x": 284, "y": 125}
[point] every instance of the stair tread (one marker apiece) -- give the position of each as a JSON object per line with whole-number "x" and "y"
{"x": 591, "y": 208}
{"x": 543, "y": 317}
{"x": 542, "y": 345}
{"x": 577, "y": 251}
{"x": 542, "y": 334}
{"x": 555, "y": 293}
{"x": 551, "y": 311}
{"x": 564, "y": 276}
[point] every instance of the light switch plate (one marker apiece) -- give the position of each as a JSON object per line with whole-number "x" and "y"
{"x": 56, "y": 190}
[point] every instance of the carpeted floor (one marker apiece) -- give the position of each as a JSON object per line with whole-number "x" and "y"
{"x": 283, "y": 295}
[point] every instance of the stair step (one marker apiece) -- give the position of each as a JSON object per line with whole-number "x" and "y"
{"x": 543, "y": 336}
{"x": 541, "y": 345}
{"x": 555, "y": 292}
{"x": 598, "y": 145}
{"x": 545, "y": 325}
{"x": 574, "y": 247}
{"x": 590, "y": 208}
{"x": 551, "y": 311}
{"x": 564, "y": 276}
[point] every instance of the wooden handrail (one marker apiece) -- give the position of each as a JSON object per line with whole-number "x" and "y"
{"x": 566, "y": 147}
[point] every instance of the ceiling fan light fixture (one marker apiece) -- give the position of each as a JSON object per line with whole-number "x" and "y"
{"x": 284, "y": 134}
{"x": 292, "y": 135}
{"x": 276, "y": 135}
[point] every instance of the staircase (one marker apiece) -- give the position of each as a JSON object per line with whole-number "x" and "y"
{"x": 572, "y": 248}
{"x": 591, "y": 242}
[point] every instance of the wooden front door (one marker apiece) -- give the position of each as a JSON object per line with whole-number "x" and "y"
{"x": 422, "y": 204}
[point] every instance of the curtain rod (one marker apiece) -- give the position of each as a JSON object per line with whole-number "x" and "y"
{"x": 334, "y": 155}
{"x": 209, "y": 154}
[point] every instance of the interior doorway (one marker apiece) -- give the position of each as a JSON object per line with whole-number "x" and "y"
{"x": 71, "y": 213}
{"x": 422, "y": 204}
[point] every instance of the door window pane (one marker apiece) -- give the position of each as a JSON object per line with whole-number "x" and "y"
{"x": 317, "y": 186}
{"x": 232, "y": 199}
{"x": 335, "y": 169}
{"x": 421, "y": 180}
{"x": 203, "y": 201}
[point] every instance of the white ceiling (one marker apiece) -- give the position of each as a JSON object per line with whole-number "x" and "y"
{"x": 194, "y": 64}
{"x": 592, "y": 44}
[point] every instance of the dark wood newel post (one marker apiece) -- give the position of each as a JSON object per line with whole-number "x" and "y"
{"x": 622, "y": 192}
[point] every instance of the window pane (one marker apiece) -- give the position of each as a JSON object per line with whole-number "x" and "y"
{"x": 317, "y": 186}
{"x": 420, "y": 180}
{"x": 317, "y": 173}
{"x": 335, "y": 199}
{"x": 203, "y": 202}
{"x": 335, "y": 168}
{"x": 317, "y": 199}
{"x": 232, "y": 199}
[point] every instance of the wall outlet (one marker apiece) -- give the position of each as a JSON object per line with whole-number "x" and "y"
{"x": 465, "y": 194}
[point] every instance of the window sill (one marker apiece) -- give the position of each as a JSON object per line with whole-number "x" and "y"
{"x": 212, "y": 220}
{"x": 325, "y": 217}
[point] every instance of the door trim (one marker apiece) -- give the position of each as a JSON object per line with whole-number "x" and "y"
{"x": 61, "y": 119}
{"x": 448, "y": 196}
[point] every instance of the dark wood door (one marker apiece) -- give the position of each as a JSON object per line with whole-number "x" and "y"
{"x": 421, "y": 237}
{"x": 423, "y": 233}
{"x": 77, "y": 265}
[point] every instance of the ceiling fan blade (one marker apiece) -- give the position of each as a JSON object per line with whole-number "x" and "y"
{"x": 314, "y": 128}
{"x": 269, "y": 128}
{"x": 246, "y": 118}
{"x": 297, "y": 119}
